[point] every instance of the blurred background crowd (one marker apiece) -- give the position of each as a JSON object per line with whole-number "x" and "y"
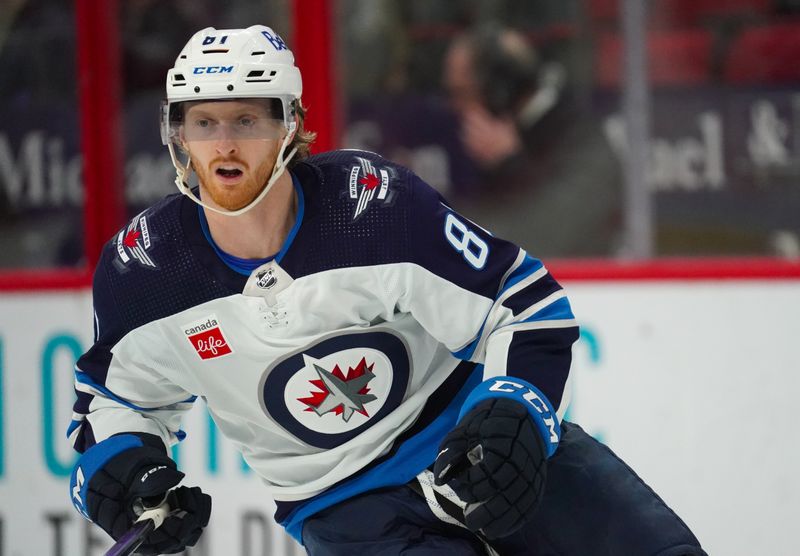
{"x": 513, "y": 109}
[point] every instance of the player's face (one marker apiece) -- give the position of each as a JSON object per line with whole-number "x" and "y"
{"x": 233, "y": 146}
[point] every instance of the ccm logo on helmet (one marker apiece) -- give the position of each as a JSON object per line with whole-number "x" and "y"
{"x": 212, "y": 69}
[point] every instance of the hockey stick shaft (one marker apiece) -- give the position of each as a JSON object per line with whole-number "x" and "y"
{"x": 148, "y": 522}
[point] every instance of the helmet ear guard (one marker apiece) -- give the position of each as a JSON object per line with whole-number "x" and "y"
{"x": 229, "y": 64}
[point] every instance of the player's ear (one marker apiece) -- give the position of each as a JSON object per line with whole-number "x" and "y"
{"x": 182, "y": 140}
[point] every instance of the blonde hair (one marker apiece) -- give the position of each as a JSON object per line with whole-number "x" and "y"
{"x": 302, "y": 138}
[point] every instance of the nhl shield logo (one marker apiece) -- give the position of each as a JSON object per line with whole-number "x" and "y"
{"x": 266, "y": 278}
{"x": 367, "y": 185}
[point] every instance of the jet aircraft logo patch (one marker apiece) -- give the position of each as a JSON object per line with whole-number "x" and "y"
{"x": 337, "y": 387}
{"x": 367, "y": 185}
{"x": 133, "y": 243}
{"x": 340, "y": 394}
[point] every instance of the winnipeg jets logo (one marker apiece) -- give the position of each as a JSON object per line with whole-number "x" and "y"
{"x": 134, "y": 241}
{"x": 366, "y": 184}
{"x": 340, "y": 394}
{"x": 336, "y": 387}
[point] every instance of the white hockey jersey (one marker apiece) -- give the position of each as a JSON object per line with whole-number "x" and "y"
{"x": 338, "y": 366}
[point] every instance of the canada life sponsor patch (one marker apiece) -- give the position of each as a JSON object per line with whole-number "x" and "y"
{"x": 206, "y": 338}
{"x": 367, "y": 185}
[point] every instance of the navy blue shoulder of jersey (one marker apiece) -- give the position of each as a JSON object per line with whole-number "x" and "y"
{"x": 356, "y": 213}
{"x": 159, "y": 264}
{"x": 455, "y": 248}
{"x": 364, "y": 210}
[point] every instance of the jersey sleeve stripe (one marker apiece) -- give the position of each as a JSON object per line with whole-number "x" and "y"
{"x": 74, "y": 425}
{"x": 540, "y": 325}
{"x": 522, "y": 299}
{"x": 526, "y": 273}
{"x": 557, "y": 314}
{"x": 498, "y": 313}
{"x": 544, "y": 306}
{"x": 526, "y": 295}
{"x": 86, "y": 384}
{"x": 521, "y": 256}
{"x": 558, "y": 310}
{"x": 529, "y": 270}
{"x": 466, "y": 352}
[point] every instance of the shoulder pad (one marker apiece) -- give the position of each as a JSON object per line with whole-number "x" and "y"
{"x": 361, "y": 180}
{"x": 134, "y": 246}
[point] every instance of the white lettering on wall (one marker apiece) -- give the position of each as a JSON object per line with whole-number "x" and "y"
{"x": 689, "y": 163}
{"x": 766, "y": 142}
{"x": 39, "y": 174}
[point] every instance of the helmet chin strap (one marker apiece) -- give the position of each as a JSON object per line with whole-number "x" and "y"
{"x": 184, "y": 171}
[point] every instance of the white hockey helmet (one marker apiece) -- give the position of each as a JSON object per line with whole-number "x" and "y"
{"x": 225, "y": 64}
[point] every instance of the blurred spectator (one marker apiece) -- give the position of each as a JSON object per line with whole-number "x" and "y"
{"x": 549, "y": 179}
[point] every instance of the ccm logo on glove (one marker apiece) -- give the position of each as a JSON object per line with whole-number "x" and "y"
{"x": 533, "y": 399}
{"x": 147, "y": 474}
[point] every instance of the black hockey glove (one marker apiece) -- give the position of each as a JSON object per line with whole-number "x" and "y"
{"x": 495, "y": 461}
{"x": 135, "y": 478}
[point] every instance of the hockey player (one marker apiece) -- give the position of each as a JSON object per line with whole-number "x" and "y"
{"x": 371, "y": 352}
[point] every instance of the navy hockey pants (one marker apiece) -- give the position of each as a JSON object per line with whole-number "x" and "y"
{"x": 594, "y": 505}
